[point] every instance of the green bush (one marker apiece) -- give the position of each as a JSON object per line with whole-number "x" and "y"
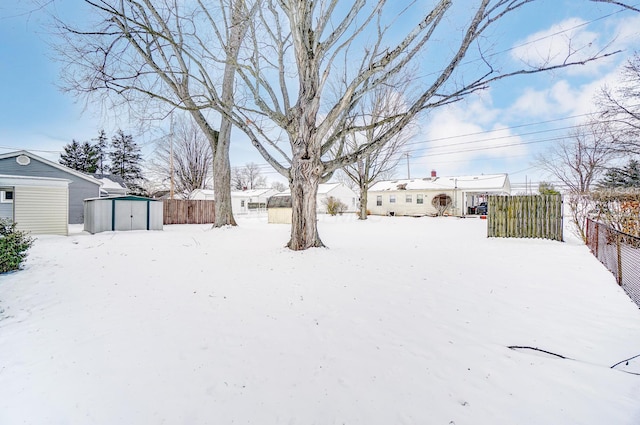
{"x": 13, "y": 246}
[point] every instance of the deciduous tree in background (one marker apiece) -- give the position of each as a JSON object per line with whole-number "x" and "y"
{"x": 578, "y": 162}
{"x": 619, "y": 106}
{"x": 192, "y": 157}
{"x": 248, "y": 177}
{"x": 382, "y": 103}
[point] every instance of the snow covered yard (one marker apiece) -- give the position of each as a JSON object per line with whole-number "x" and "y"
{"x": 400, "y": 321}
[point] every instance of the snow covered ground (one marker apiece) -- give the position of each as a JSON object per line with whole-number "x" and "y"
{"x": 400, "y": 321}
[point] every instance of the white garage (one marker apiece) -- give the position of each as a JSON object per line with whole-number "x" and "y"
{"x": 122, "y": 213}
{"x": 38, "y": 205}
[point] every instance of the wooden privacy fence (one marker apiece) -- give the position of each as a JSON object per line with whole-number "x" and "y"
{"x": 536, "y": 216}
{"x": 180, "y": 211}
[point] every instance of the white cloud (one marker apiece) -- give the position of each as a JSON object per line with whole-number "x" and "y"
{"x": 566, "y": 41}
{"x": 468, "y": 138}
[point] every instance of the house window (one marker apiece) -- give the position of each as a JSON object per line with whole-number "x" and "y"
{"x": 392, "y": 199}
{"x": 379, "y": 200}
{"x": 242, "y": 203}
{"x": 408, "y": 199}
{"x": 419, "y": 199}
{"x": 6, "y": 196}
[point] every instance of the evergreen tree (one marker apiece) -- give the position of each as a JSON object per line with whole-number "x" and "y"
{"x": 125, "y": 158}
{"x": 545, "y": 188}
{"x": 627, "y": 176}
{"x": 79, "y": 156}
{"x": 101, "y": 148}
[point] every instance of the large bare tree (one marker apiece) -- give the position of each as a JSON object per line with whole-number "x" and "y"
{"x": 620, "y": 106}
{"x": 292, "y": 51}
{"x": 578, "y": 162}
{"x": 298, "y": 47}
{"x": 248, "y": 177}
{"x": 179, "y": 55}
{"x": 382, "y": 103}
{"x": 183, "y": 156}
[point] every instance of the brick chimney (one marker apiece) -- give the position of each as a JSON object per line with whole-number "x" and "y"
{"x": 433, "y": 174}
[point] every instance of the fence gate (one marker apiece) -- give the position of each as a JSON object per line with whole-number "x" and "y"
{"x": 535, "y": 216}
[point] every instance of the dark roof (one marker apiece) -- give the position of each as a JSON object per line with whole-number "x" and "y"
{"x": 279, "y": 202}
{"x": 113, "y": 177}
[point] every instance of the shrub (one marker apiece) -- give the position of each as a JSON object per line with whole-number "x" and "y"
{"x": 334, "y": 206}
{"x": 13, "y": 246}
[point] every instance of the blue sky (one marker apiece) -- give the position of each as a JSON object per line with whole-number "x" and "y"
{"x": 497, "y": 131}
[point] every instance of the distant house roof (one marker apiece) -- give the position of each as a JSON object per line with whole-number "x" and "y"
{"x": 251, "y": 192}
{"x": 111, "y": 184}
{"x": 52, "y": 164}
{"x": 323, "y": 188}
{"x": 110, "y": 181}
{"x": 487, "y": 182}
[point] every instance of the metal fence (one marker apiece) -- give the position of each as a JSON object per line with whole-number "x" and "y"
{"x": 538, "y": 216}
{"x": 620, "y": 253}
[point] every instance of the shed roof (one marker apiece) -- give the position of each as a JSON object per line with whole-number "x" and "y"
{"x": 483, "y": 182}
{"x": 279, "y": 201}
{"x": 123, "y": 198}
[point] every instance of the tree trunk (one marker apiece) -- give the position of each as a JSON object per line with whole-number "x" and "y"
{"x": 222, "y": 178}
{"x": 364, "y": 189}
{"x": 305, "y": 177}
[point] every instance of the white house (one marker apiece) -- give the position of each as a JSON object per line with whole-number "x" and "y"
{"x": 252, "y": 200}
{"x": 242, "y": 201}
{"x": 415, "y": 197}
{"x": 340, "y": 192}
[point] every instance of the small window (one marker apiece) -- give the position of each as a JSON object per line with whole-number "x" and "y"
{"x": 379, "y": 200}
{"x": 6, "y": 196}
{"x": 419, "y": 199}
{"x": 392, "y": 199}
{"x": 242, "y": 203}
{"x": 408, "y": 199}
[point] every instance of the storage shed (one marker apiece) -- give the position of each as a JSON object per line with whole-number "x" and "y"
{"x": 122, "y": 213}
{"x": 38, "y": 205}
{"x": 279, "y": 209}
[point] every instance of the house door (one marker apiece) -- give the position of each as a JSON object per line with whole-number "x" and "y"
{"x": 130, "y": 215}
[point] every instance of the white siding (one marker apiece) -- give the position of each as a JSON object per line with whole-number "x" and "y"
{"x": 42, "y": 210}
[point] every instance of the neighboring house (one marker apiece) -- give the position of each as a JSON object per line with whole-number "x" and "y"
{"x": 253, "y": 200}
{"x": 415, "y": 197}
{"x": 203, "y": 194}
{"x": 39, "y": 205}
{"x": 81, "y": 186}
{"x": 112, "y": 185}
{"x": 339, "y": 191}
{"x": 242, "y": 201}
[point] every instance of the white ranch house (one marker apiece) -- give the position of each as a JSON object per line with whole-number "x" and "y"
{"x": 413, "y": 197}
{"x": 242, "y": 201}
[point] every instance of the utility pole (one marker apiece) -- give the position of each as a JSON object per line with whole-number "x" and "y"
{"x": 171, "y": 157}
{"x": 408, "y": 169}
